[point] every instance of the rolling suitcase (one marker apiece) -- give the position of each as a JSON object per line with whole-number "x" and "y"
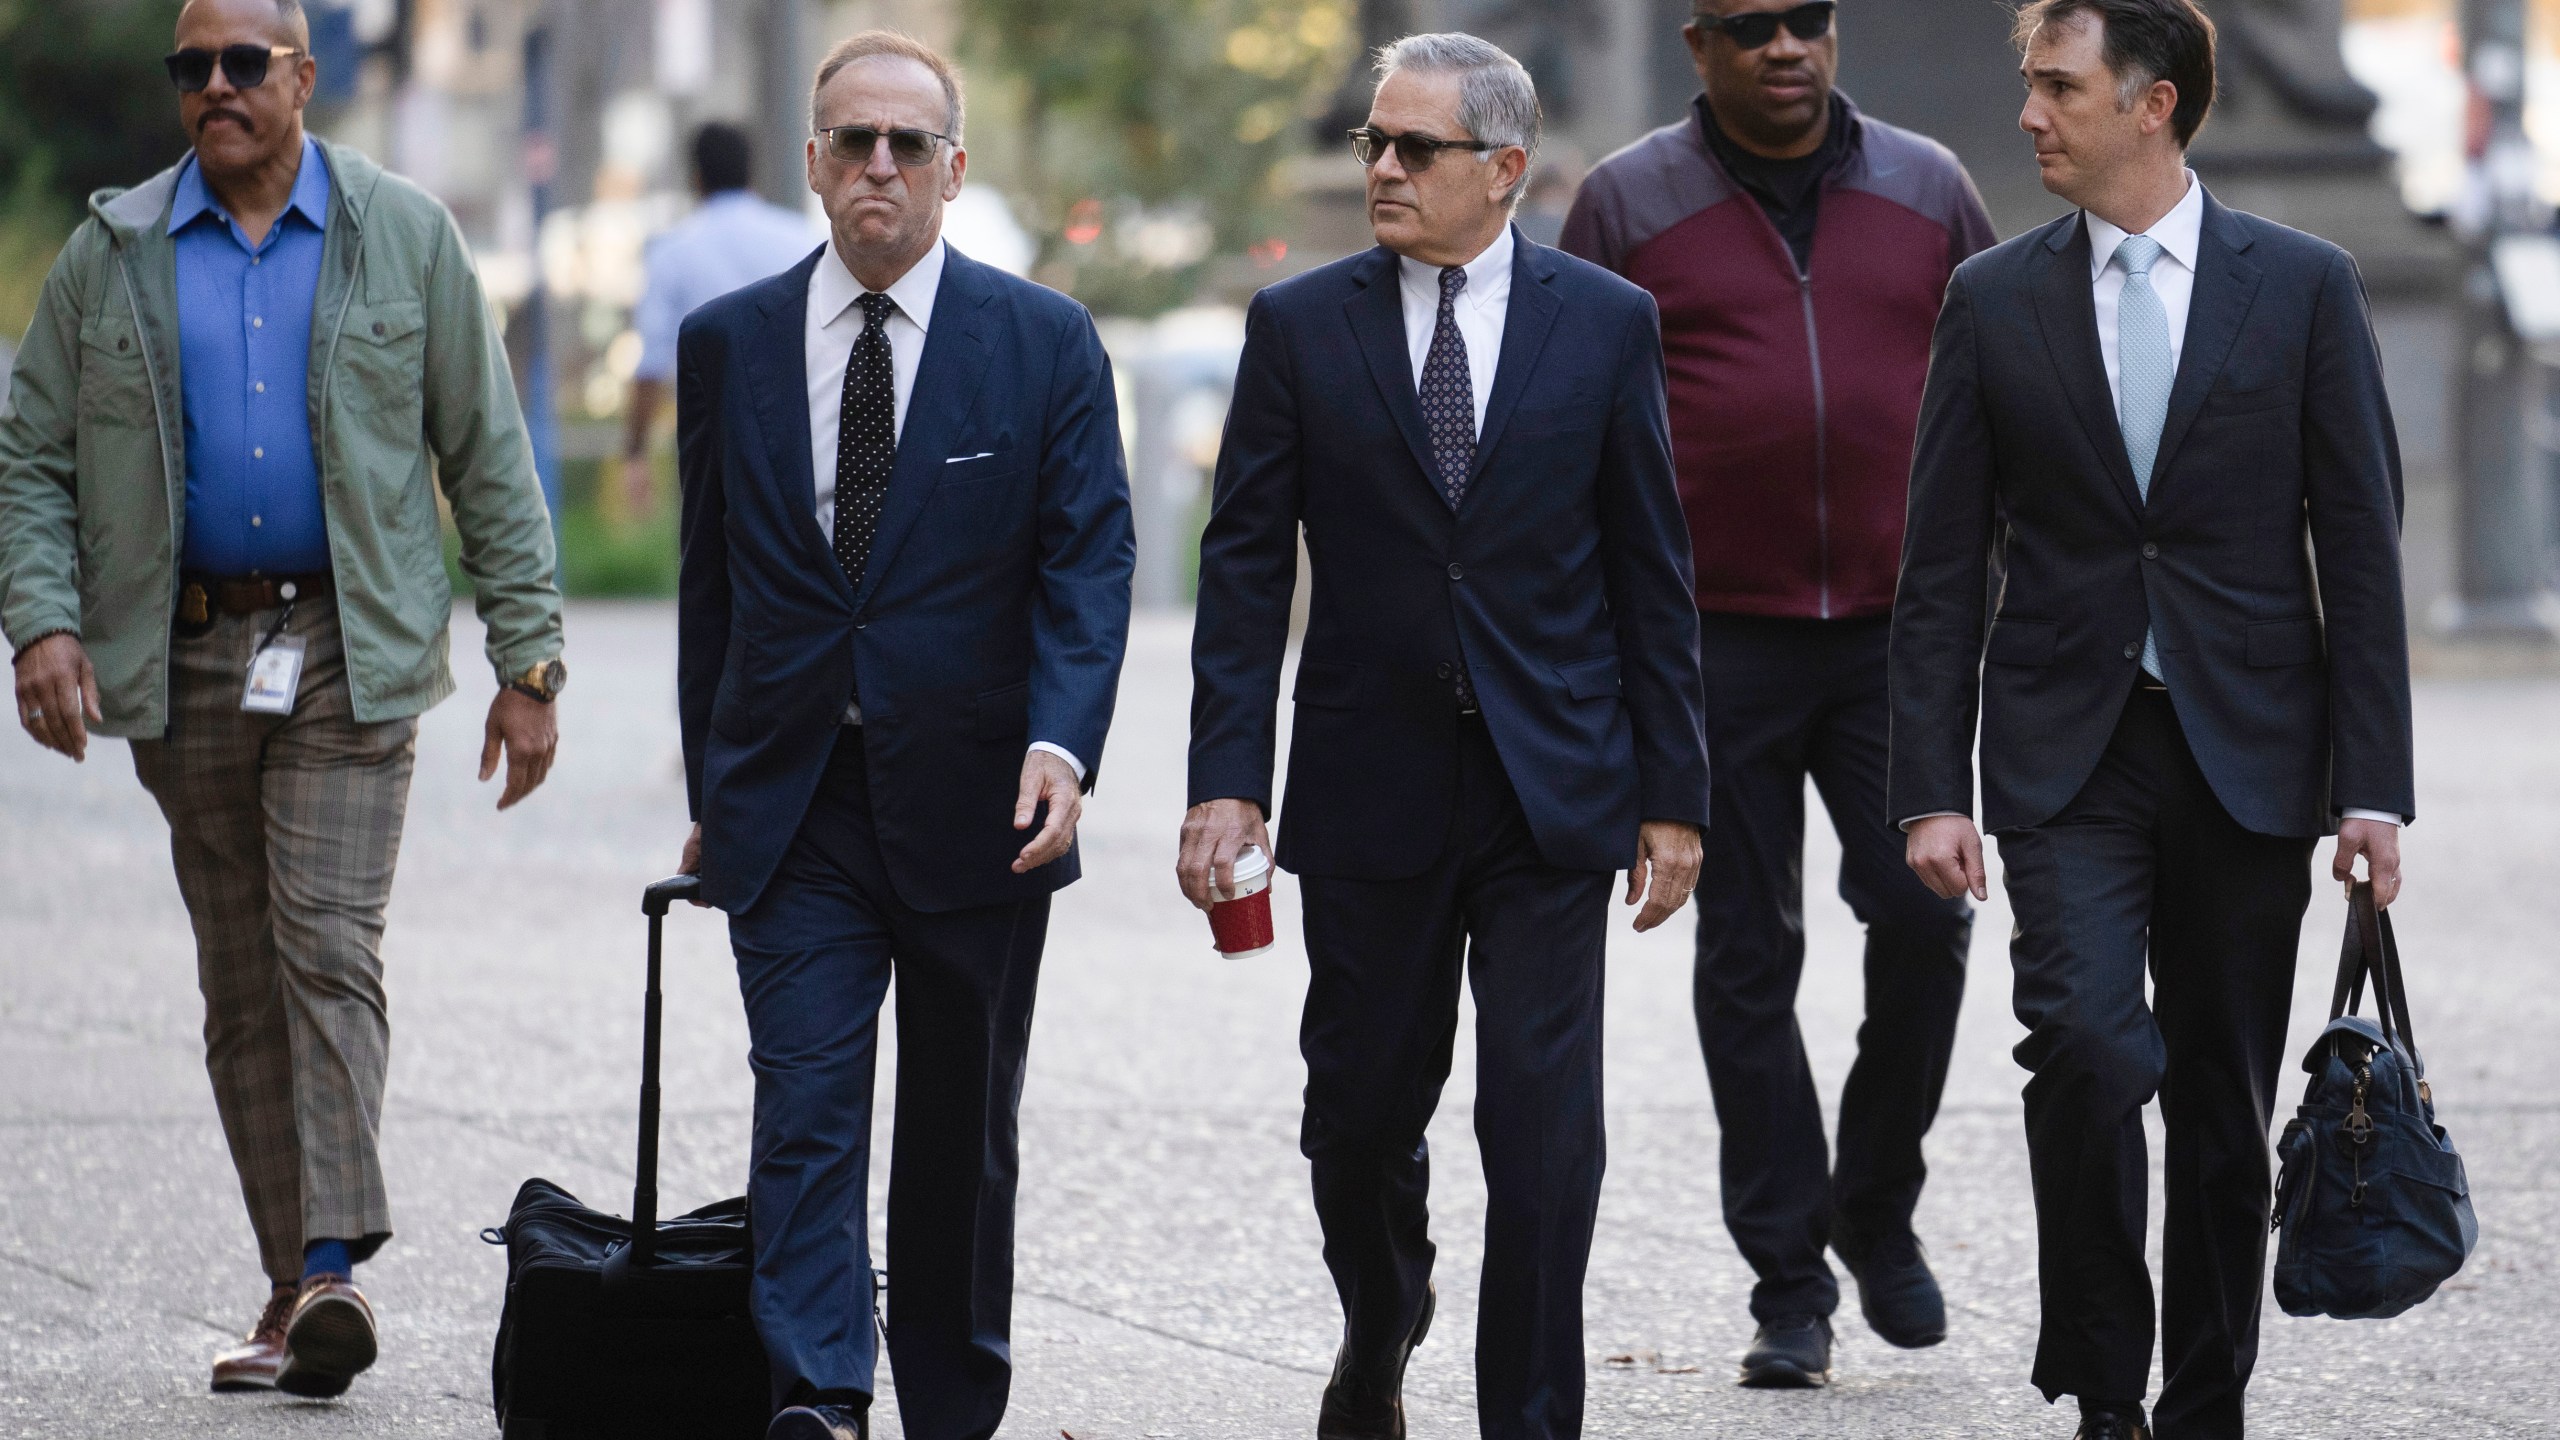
{"x": 616, "y": 1328}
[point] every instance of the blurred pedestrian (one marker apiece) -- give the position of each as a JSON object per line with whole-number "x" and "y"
{"x": 1798, "y": 249}
{"x": 732, "y": 239}
{"x": 1497, "y": 708}
{"x": 2160, "y": 425}
{"x": 905, "y": 598}
{"x": 218, "y": 539}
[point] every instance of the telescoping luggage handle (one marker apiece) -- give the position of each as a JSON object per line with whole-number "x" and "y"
{"x": 654, "y": 903}
{"x": 2370, "y": 949}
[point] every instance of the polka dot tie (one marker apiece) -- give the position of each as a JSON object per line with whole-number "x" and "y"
{"x": 1449, "y": 393}
{"x": 866, "y": 438}
{"x": 1449, "y": 409}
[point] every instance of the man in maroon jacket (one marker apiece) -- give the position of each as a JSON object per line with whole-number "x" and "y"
{"x": 1798, "y": 251}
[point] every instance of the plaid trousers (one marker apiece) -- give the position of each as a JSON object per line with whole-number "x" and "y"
{"x": 284, "y": 830}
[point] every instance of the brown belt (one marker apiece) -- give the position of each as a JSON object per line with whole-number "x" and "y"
{"x": 201, "y": 597}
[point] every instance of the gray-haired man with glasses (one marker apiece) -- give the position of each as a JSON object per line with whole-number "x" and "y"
{"x": 1497, "y": 709}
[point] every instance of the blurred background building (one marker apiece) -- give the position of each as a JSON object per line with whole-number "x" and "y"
{"x": 1160, "y": 159}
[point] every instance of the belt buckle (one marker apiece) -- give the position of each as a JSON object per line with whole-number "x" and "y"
{"x": 195, "y": 606}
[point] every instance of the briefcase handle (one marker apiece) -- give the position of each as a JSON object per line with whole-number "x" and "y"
{"x": 654, "y": 903}
{"x": 2371, "y": 949}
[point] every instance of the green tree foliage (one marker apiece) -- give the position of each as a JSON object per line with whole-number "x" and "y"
{"x": 84, "y": 104}
{"x": 1142, "y": 139}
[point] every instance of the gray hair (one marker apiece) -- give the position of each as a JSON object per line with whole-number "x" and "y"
{"x": 1497, "y": 101}
{"x": 895, "y": 45}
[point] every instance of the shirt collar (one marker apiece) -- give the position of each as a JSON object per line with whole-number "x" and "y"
{"x": 310, "y": 193}
{"x": 832, "y": 288}
{"x": 1488, "y": 275}
{"x": 2180, "y": 232}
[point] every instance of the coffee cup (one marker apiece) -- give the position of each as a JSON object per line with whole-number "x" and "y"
{"x": 1240, "y": 919}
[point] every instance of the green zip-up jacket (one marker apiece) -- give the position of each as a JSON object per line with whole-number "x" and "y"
{"x": 409, "y": 390}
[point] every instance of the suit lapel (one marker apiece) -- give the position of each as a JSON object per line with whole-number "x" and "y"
{"x": 1377, "y": 319}
{"x": 2067, "y": 313}
{"x": 2226, "y": 286}
{"x": 1525, "y": 323}
{"x": 948, "y": 378}
{"x": 778, "y": 368}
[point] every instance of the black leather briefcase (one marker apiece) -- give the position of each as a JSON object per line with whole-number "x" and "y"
{"x": 618, "y": 1328}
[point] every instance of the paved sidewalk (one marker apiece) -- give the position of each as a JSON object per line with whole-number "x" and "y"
{"x": 1170, "y": 1278}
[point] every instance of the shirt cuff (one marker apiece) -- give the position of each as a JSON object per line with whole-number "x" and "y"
{"x": 2385, "y": 816}
{"x": 1063, "y": 753}
{"x": 1905, "y": 826}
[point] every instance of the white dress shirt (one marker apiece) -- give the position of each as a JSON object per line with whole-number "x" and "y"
{"x": 2173, "y": 279}
{"x": 834, "y": 323}
{"x": 2173, "y": 276}
{"x": 1481, "y": 308}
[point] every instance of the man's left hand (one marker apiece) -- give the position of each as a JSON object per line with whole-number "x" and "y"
{"x": 1046, "y": 777}
{"x": 2378, "y": 841}
{"x": 529, "y": 733}
{"x": 1668, "y": 854}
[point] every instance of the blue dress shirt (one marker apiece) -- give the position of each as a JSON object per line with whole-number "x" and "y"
{"x": 244, "y": 350}
{"x": 736, "y": 238}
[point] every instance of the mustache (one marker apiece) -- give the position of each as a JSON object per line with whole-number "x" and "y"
{"x": 208, "y": 117}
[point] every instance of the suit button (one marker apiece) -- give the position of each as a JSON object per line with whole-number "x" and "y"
{"x": 2150, "y": 551}
{"x": 1445, "y": 671}
{"x": 1457, "y": 572}
{"x": 861, "y": 622}
{"x": 2132, "y": 651}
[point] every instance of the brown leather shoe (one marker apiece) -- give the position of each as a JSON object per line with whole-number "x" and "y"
{"x": 252, "y": 1364}
{"x": 329, "y": 1341}
{"x": 1371, "y": 1406}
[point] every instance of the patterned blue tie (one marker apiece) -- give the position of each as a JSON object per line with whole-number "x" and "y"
{"x": 1449, "y": 392}
{"x": 2144, "y": 376}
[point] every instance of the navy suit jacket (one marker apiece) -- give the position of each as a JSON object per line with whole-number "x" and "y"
{"x": 2267, "y": 556}
{"x": 994, "y": 610}
{"x": 1562, "y": 581}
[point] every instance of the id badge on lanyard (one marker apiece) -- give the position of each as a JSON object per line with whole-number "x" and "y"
{"x": 275, "y": 670}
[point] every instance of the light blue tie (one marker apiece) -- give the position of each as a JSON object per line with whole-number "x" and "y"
{"x": 2144, "y": 376}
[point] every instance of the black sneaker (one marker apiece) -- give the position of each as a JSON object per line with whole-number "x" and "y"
{"x": 1792, "y": 1352}
{"x": 1896, "y": 1291}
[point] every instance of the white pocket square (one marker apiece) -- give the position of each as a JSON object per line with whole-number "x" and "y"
{"x": 956, "y": 459}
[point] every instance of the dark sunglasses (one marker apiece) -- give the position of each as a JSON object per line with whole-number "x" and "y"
{"x": 1413, "y": 152}
{"x": 245, "y": 66}
{"x": 853, "y": 145}
{"x": 1809, "y": 21}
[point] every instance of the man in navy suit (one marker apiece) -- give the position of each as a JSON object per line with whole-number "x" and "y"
{"x": 905, "y": 600}
{"x": 2160, "y": 426}
{"x": 1498, "y": 705}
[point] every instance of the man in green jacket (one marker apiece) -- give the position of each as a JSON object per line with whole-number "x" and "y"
{"x": 219, "y": 540}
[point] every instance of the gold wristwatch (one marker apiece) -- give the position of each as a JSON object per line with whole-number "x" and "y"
{"x": 542, "y": 682}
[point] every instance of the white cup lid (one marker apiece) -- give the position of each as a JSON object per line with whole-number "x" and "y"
{"x": 1252, "y": 864}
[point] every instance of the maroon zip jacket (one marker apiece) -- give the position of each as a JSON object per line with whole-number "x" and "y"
{"x": 1794, "y": 397}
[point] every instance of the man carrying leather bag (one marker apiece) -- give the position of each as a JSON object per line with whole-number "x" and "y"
{"x": 2160, "y": 424}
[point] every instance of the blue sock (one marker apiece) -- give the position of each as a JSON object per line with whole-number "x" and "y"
{"x": 327, "y": 1257}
